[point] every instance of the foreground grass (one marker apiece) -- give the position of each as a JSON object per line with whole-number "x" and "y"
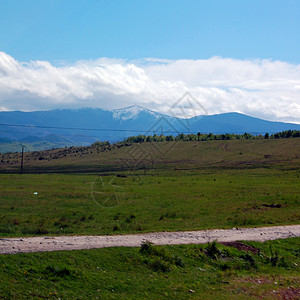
{"x": 211, "y": 271}
{"x": 143, "y": 202}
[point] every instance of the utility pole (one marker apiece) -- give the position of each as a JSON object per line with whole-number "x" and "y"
{"x": 21, "y": 171}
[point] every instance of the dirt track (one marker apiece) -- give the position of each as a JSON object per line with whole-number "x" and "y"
{"x": 47, "y": 243}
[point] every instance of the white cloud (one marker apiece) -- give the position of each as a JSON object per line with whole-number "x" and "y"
{"x": 261, "y": 88}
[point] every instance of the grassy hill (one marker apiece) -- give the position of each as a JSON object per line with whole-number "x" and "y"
{"x": 163, "y": 155}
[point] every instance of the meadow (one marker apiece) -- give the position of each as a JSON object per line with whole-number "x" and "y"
{"x": 146, "y": 188}
{"x": 163, "y": 200}
{"x": 266, "y": 270}
{"x": 151, "y": 187}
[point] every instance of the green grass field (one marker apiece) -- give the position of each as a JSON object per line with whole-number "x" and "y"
{"x": 184, "y": 186}
{"x": 151, "y": 201}
{"x": 211, "y": 271}
{"x": 190, "y": 186}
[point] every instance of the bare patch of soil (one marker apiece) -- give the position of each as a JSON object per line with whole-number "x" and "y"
{"x": 241, "y": 246}
{"x": 288, "y": 294}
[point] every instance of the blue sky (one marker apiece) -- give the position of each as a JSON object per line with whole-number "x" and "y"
{"x": 56, "y": 30}
{"x": 231, "y": 55}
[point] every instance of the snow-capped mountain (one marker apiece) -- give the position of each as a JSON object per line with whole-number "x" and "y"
{"x": 132, "y": 112}
{"x": 86, "y": 125}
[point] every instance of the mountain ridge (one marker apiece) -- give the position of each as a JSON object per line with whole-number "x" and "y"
{"x": 84, "y": 126}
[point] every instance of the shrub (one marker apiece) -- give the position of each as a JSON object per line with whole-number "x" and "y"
{"x": 274, "y": 257}
{"x": 212, "y": 250}
{"x": 159, "y": 259}
{"x": 147, "y": 248}
{"x": 160, "y": 265}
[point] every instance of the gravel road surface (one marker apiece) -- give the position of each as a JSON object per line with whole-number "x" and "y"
{"x": 56, "y": 243}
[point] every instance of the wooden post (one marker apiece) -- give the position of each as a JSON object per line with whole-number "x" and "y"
{"x": 21, "y": 171}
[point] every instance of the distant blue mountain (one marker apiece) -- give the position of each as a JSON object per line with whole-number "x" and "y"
{"x": 87, "y": 125}
{"x": 238, "y": 123}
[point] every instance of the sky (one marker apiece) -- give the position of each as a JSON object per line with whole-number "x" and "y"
{"x": 231, "y": 55}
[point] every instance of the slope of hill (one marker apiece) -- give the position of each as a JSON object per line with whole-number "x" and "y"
{"x": 163, "y": 155}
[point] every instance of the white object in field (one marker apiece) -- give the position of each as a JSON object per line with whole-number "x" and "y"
{"x": 35, "y": 193}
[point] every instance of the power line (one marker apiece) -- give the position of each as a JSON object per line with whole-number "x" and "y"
{"x": 70, "y": 128}
{"x": 120, "y": 130}
{"x": 43, "y": 134}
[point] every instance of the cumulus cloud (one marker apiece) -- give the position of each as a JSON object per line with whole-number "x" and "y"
{"x": 261, "y": 88}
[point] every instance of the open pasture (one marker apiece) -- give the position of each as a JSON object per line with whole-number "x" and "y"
{"x": 155, "y": 200}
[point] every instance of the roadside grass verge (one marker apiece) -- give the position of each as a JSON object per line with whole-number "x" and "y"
{"x": 211, "y": 271}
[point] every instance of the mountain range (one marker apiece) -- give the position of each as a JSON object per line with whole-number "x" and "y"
{"x": 74, "y": 127}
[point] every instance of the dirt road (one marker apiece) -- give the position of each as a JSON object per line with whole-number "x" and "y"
{"x": 47, "y": 243}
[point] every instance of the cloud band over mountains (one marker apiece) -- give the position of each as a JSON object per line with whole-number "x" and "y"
{"x": 261, "y": 88}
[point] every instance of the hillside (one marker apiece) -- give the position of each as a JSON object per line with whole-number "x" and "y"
{"x": 165, "y": 155}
